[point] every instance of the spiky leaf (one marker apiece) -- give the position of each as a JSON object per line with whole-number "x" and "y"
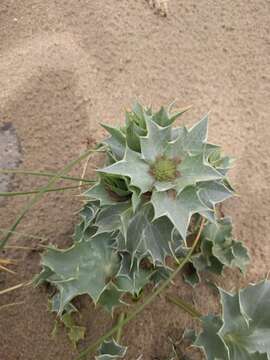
{"x": 210, "y": 341}
{"x": 111, "y": 350}
{"x": 178, "y": 209}
{"x": 131, "y": 277}
{"x": 55, "y": 305}
{"x": 160, "y": 274}
{"x": 243, "y": 333}
{"x": 197, "y": 136}
{"x": 109, "y": 217}
{"x": 116, "y": 142}
{"x": 134, "y": 130}
{"x": 146, "y": 237}
{"x": 111, "y": 298}
{"x": 134, "y": 168}
{"x": 219, "y": 249}
{"x": 191, "y": 276}
{"x": 155, "y": 142}
{"x": 84, "y": 268}
{"x": 100, "y": 192}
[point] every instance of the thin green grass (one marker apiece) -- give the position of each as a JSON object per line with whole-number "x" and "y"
{"x": 22, "y": 193}
{"x": 43, "y": 173}
{"x": 42, "y": 191}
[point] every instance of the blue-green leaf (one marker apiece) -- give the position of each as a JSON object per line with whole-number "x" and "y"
{"x": 222, "y": 246}
{"x": 100, "y": 193}
{"x": 84, "y": 268}
{"x": 111, "y": 350}
{"x": 212, "y": 344}
{"x": 146, "y": 237}
{"x": 131, "y": 277}
{"x": 178, "y": 209}
{"x": 155, "y": 142}
{"x": 111, "y": 298}
{"x": 117, "y": 141}
{"x": 197, "y": 136}
{"x": 109, "y": 217}
{"x": 243, "y": 333}
{"x": 134, "y": 167}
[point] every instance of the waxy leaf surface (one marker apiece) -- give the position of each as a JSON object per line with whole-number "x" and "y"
{"x": 146, "y": 237}
{"x": 85, "y": 268}
{"x": 243, "y": 332}
{"x": 111, "y": 350}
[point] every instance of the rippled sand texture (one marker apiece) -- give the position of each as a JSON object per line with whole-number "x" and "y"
{"x": 67, "y": 65}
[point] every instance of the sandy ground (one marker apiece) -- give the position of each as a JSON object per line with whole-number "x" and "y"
{"x": 64, "y": 67}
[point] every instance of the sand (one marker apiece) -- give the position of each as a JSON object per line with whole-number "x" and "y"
{"x": 65, "y": 66}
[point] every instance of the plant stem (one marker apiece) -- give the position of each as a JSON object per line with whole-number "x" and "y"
{"x": 149, "y": 300}
{"x": 119, "y": 331}
{"x": 185, "y": 306}
{"x": 42, "y": 191}
{"x": 43, "y": 173}
{"x": 38, "y": 190}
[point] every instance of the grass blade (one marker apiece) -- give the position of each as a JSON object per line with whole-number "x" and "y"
{"x": 43, "y": 173}
{"x": 19, "y": 193}
{"x": 7, "y": 270}
{"x": 12, "y": 288}
{"x": 42, "y": 191}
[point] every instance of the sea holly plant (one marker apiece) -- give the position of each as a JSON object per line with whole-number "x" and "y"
{"x": 154, "y": 209}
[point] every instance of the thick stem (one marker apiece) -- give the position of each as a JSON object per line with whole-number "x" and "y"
{"x": 150, "y": 299}
{"x": 119, "y": 331}
{"x": 185, "y": 306}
